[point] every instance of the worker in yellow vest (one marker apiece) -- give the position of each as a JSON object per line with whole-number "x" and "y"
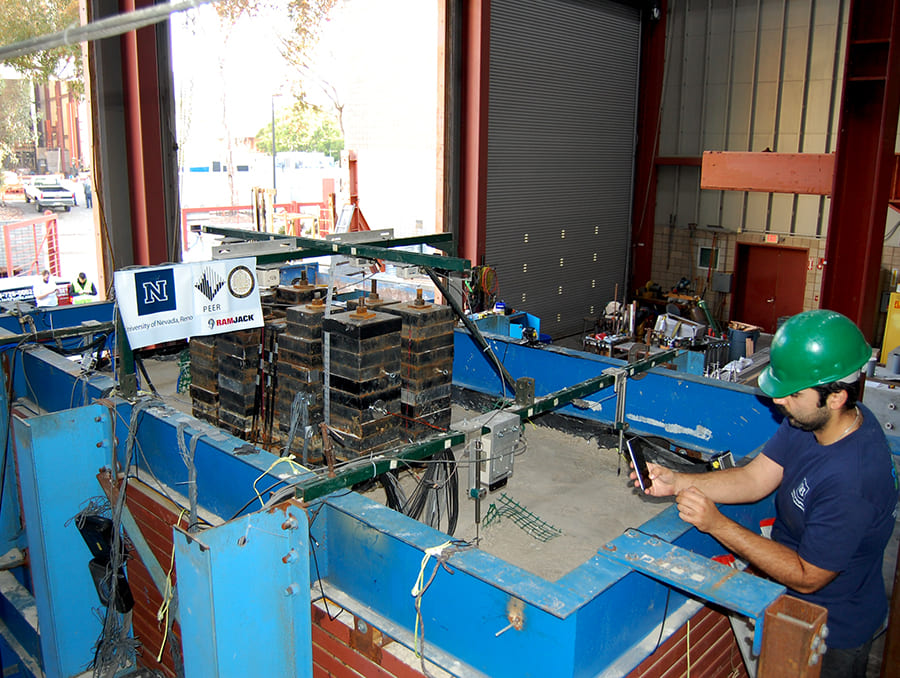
{"x": 82, "y": 291}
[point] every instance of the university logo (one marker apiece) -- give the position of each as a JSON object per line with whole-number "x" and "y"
{"x": 155, "y": 291}
{"x": 209, "y": 283}
{"x": 798, "y": 495}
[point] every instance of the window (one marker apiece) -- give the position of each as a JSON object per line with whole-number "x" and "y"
{"x": 708, "y": 257}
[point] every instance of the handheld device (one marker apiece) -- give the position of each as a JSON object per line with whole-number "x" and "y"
{"x": 640, "y": 465}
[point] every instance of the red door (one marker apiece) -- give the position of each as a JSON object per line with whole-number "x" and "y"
{"x": 770, "y": 283}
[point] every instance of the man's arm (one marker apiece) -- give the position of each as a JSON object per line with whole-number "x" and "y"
{"x": 46, "y": 293}
{"x": 739, "y": 485}
{"x": 776, "y": 560}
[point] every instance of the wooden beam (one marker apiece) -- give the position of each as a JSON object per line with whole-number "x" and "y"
{"x": 808, "y": 173}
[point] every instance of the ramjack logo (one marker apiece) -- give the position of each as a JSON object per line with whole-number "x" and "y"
{"x": 209, "y": 283}
{"x": 155, "y": 291}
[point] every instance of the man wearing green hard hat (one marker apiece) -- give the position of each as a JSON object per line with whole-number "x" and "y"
{"x": 835, "y": 482}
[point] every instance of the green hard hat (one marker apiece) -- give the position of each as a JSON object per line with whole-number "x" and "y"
{"x": 813, "y": 348}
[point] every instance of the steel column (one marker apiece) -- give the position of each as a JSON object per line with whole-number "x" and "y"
{"x": 144, "y": 135}
{"x": 476, "y": 31}
{"x": 643, "y": 211}
{"x": 864, "y": 162}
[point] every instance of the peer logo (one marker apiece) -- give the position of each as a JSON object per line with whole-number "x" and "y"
{"x": 155, "y": 291}
{"x": 209, "y": 283}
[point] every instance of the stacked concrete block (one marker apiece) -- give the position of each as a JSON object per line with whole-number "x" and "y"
{"x": 364, "y": 379}
{"x": 238, "y": 355}
{"x": 426, "y": 365}
{"x": 299, "y": 371}
{"x": 300, "y": 293}
{"x": 204, "y": 379}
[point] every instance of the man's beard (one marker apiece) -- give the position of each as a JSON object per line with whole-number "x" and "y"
{"x": 810, "y": 426}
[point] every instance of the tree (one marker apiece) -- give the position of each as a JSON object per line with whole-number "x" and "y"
{"x": 21, "y": 21}
{"x": 304, "y": 19}
{"x": 16, "y": 127}
{"x": 303, "y": 128}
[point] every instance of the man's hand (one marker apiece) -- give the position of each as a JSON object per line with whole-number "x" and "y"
{"x": 696, "y": 508}
{"x": 663, "y": 480}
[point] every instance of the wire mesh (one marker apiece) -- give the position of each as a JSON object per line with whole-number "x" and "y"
{"x": 522, "y": 517}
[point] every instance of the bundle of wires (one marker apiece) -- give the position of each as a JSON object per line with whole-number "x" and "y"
{"x": 435, "y": 499}
{"x": 482, "y": 289}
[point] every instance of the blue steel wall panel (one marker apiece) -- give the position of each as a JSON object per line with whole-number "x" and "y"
{"x": 59, "y": 455}
{"x": 703, "y": 414}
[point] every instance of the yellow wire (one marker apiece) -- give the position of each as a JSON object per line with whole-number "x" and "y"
{"x": 295, "y": 467}
{"x": 688, "y": 644}
{"x": 163, "y": 610}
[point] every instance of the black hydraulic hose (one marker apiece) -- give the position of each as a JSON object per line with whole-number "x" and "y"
{"x": 473, "y": 329}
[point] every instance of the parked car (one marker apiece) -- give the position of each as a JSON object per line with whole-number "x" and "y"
{"x": 48, "y": 192}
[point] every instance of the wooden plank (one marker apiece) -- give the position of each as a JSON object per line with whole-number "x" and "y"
{"x": 806, "y": 173}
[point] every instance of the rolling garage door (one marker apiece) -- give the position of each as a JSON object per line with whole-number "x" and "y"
{"x": 563, "y": 101}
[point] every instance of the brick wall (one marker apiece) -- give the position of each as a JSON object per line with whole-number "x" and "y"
{"x": 339, "y": 651}
{"x": 706, "y": 642}
{"x": 675, "y": 257}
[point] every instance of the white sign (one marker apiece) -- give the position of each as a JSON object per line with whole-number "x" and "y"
{"x": 164, "y": 303}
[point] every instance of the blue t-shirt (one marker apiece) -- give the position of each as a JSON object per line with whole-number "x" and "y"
{"x": 836, "y": 507}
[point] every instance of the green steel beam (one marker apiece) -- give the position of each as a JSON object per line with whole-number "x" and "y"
{"x": 566, "y": 395}
{"x": 372, "y": 467}
{"x": 311, "y": 247}
{"x": 61, "y": 333}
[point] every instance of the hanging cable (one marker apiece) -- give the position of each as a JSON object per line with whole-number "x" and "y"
{"x": 102, "y": 28}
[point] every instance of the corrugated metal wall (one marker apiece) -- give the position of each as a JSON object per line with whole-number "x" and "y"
{"x": 563, "y": 96}
{"x": 749, "y": 75}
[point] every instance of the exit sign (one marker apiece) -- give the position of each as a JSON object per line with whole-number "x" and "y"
{"x": 772, "y": 237}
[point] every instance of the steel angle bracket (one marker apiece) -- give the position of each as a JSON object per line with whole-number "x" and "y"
{"x": 288, "y": 248}
{"x": 706, "y": 579}
{"x": 364, "y": 468}
{"x": 609, "y": 377}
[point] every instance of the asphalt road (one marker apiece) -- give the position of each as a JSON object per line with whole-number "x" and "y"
{"x": 77, "y": 244}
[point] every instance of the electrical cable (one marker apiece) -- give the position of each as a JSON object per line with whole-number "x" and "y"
{"x": 114, "y": 649}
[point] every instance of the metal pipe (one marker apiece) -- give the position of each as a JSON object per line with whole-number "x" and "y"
{"x": 274, "y": 185}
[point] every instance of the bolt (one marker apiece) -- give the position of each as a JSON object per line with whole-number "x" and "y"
{"x": 610, "y": 547}
{"x": 100, "y": 444}
{"x": 98, "y": 419}
{"x": 289, "y": 557}
{"x": 292, "y": 590}
{"x": 290, "y": 524}
{"x": 361, "y": 626}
